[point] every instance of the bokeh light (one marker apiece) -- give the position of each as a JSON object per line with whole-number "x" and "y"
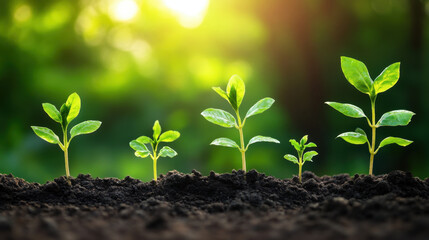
{"x": 190, "y": 13}
{"x": 124, "y": 10}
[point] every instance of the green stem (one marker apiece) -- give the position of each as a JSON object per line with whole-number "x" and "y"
{"x": 66, "y": 155}
{"x": 155, "y": 175}
{"x": 154, "y": 158}
{"x": 300, "y": 170}
{"x": 373, "y": 127}
{"x": 242, "y": 149}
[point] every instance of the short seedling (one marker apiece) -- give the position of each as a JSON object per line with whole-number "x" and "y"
{"x": 302, "y": 157}
{"x": 139, "y": 145}
{"x": 234, "y": 95}
{"x": 67, "y": 113}
{"x": 357, "y": 75}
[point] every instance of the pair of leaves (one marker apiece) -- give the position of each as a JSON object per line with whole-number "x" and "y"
{"x": 357, "y": 74}
{"x": 359, "y": 137}
{"x": 143, "y": 152}
{"x": 308, "y": 157}
{"x": 235, "y": 91}
{"x": 48, "y": 135}
{"x": 226, "y": 142}
{"x": 169, "y": 136}
{"x": 392, "y": 118}
{"x": 225, "y": 119}
{"x": 68, "y": 112}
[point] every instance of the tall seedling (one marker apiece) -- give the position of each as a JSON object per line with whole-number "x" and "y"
{"x": 234, "y": 95}
{"x": 67, "y": 113}
{"x": 357, "y": 75}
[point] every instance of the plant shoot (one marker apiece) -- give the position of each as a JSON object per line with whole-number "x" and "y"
{"x": 139, "y": 145}
{"x": 234, "y": 94}
{"x": 357, "y": 75}
{"x": 302, "y": 157}
{"x": 67, "y": 113}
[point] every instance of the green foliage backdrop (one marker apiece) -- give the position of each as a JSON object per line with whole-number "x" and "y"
{"x": 136, "y": 61}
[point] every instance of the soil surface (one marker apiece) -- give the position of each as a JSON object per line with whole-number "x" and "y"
{"x": 235, "y": 206}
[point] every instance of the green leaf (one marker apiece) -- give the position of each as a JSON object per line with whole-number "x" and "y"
{"x": 156, "y": 130}
{"x": 311, "y": 145}
{"x": 46, "y": 134}
{"x": 136, "y": 145}
{"x": 235, "y": 91}
{"x": 144, "y": 140}
{"x": 390, "y": 140}
{"x": 169, "y": 136}
{"x": 52, "y": 111}
{"x": 64, "y": 111}
{"x": 262, "y": 139}
{"x": 303, "y": 141}
{"x": 221, "y": 92}
{"x": 308, "y": 156}
{"x": 347, "y": 109}
{"x": 361, "y": 131}
{"x": 225, "y": 142}
{"x": 260, "y": 107}
{"x": 73, "y": 105}
{"x": 295, "y": 144}
{"x": 396, "y": 118}
{"x": 291, "y": 158}
{"x": 84, "y": 128}
{"x": 167, "y": 152}
{"x": 353, "y": 138}
{"x": 219, "y": 117}
{"x": 142, "y": 154}
{"x": 357, "y": 74}
{"x": 387, "y": 79}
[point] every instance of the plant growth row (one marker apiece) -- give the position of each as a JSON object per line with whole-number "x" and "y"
{"x": 354, "y": 71}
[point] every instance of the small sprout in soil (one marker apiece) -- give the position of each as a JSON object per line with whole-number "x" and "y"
{"x": 139, "y": 145}
{"x": 357, "y": 75}
{"x": 67, "y": 113}
{"x": 302, "y": 157}
{"x": 234, "y": 94}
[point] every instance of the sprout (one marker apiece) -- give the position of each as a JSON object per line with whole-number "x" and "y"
{"x": 67, "y": 113}
{"x": 234, "y": 95}
{"x": 139, "y": 145}
{"x": 302, "y": 157}
{"x": 357, "y": 75}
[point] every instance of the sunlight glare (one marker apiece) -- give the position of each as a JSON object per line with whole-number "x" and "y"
{"x": 190, "y": 13}
{"x": 124, "y": 10}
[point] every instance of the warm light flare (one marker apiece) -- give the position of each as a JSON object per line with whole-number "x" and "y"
{"x": 124, "y": 10}
{"x": 190, "y": 13}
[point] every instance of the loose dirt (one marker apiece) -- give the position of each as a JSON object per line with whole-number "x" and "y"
{"x": 235, "y": 206}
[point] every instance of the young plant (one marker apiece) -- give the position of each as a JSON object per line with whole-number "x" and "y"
{"x": 139, "y": 145}
{"x": 67, "y": 113}
{"x": 357, "y": 75}
{"x": 302, "y": 157}
{"x": 234, "y": 95}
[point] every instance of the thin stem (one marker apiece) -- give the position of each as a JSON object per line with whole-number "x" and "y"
{"x": 154, "y": 158}
{"x": 242, "y": 149}
{"x": 155, "y": 175}
{"x": 299, "y": 173}
{"x": 66, "y": 155}
{"x": 373, "y": 127}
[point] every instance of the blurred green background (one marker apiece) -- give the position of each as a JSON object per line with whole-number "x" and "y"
{"x": 136, "y": 61}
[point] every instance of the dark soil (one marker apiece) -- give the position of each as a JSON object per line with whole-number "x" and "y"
{"x": 218, "y": 206}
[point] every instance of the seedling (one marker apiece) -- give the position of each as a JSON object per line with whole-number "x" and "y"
{"x": 357, "y": 75}
{"x": 139, "y": 145}
{"x": 234, "y": 95}
{"x": 67, "y": 113}
{"x": 302, "y": 157}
